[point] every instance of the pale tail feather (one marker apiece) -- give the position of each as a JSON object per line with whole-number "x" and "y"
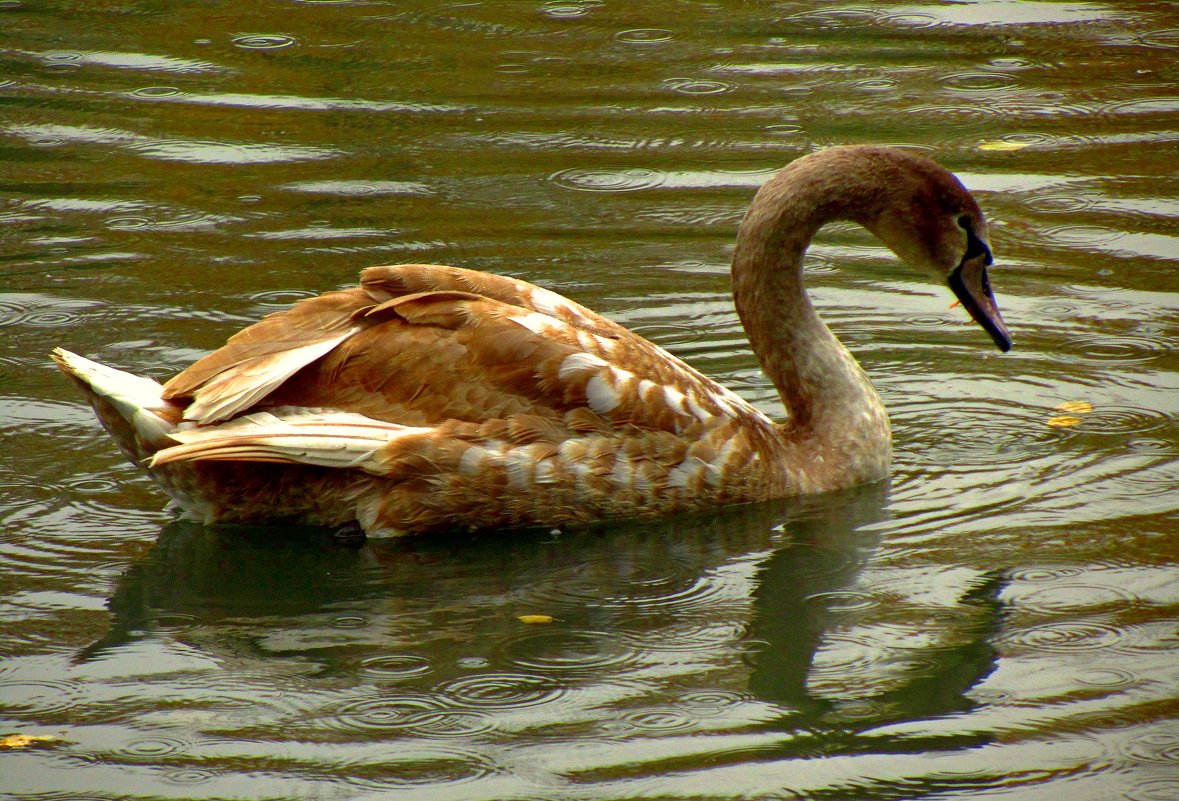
{"x": 240, "y": 387}
{"x": 129, "y": 406}
{"x": 292, "y": 436}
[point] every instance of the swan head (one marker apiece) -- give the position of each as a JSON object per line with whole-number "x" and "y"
{"x": 929, "y": 219}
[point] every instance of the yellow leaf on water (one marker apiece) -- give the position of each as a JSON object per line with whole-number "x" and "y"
{"x": 1002, "y": 145}
{"x": 534, "y": 620}
{"x": 1074, "y": 407}
{"x": 1064, "y": 421}
{"x": 24, "y": 740}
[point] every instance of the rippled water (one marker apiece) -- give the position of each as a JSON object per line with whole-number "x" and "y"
{"x": 1000, "y": 620}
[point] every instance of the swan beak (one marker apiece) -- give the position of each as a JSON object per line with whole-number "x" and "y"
{"x": 973, "y": 288}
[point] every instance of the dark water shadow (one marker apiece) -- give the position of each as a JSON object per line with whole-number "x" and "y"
{"x": 796, "y": 603}
{"x": 444, "y": 596}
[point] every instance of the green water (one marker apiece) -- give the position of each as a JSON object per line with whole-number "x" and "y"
{"x": 999, "y": 620}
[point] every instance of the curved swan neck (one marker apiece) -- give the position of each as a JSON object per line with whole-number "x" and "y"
{"x": 831, "y": 403}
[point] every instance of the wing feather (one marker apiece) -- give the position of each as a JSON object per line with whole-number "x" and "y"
{"x": 250, "y": 380}
{"x": 382, "y": 283}
{"x": 419, "y": 345}
{"x": 293, "y": 436}
{"x": 259, "y": 358}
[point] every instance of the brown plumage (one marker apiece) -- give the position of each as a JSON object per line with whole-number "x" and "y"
{"x": 430, "y": 397}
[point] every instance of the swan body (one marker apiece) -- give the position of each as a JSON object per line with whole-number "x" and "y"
{"x": 434, "y": 397}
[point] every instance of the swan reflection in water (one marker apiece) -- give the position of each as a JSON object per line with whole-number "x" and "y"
{"x": 684, "y": 617}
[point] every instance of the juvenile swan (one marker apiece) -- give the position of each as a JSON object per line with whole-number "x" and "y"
{"x": 433, "y": 397}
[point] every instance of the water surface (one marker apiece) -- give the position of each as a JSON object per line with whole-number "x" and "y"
{"x": 999, "y": 619}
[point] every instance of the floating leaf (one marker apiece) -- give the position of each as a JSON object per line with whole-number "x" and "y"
{"x": 1074, "y": 407}
{"x": 1064, "y": 421}
{"x": 534, "y": 620}
{"x": 24, "y": 740}
{"x": 1002, "y": 145}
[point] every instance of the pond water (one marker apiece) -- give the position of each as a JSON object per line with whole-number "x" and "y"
{"x": 998, "y": 620}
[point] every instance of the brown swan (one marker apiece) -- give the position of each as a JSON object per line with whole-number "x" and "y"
{"x": 435, "y": 397}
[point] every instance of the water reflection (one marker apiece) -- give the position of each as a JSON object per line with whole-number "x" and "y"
{"x": 620, "y": 589}
{"x": 424, "y": 637}
{"x": 185, "y": 150}
{"x": 802, "y": 604}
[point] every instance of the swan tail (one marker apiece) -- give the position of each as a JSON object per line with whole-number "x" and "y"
{"x": 131, "y": 408}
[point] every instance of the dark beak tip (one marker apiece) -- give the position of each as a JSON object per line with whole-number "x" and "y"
{"x": 997, "y": 329}
{"x": 982, "y": 308}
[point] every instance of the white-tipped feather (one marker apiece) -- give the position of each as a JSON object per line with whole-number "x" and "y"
{"x": 577, "y": 363}
{"x": 536, "y": 323}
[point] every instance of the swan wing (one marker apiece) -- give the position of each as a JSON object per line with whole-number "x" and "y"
{"x": 259, "y": 358}
{"x": 418, "y": 345}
